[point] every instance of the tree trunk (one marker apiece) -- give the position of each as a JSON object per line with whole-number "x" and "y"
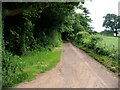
{"x": 116, "y": 32}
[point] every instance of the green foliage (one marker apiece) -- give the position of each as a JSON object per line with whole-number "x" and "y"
{"x": 31, "y": 34}
{"x": 111, "y": 22}
{"x": 38, "y": 26}
{"x": 94, "y": 39}
{"x": 12, "y": 69}
{"x": 17, "y": 69}
{"x": 33, "y": 27}
{"x": 108, "y": 62}
{"x": 110, "y": 44}
{"x": 73, "y": 24}
{"x": 80, "y": 36}
{"x": 106, "y": 33}
{"x": 99, "y": 44}
{"x": 102, "y": 48}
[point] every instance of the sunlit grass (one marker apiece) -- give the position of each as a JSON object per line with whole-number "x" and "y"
{"x": 27, "y": 67}
{"x": 40, "y": 62}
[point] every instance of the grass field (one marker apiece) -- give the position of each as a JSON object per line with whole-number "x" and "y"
{"x": 111, "y": 43}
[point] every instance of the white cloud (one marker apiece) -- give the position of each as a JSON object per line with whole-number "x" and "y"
{"x": 98, "y": 9}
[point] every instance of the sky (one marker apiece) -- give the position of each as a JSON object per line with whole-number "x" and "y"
{"x": 98, "y": 9}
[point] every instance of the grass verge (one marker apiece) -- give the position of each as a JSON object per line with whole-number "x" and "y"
{"x": 108, "y": 62}
{"x": 40, "y": 62}
{"x": 32, "y": 64}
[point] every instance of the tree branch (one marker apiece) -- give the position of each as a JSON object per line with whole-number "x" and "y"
{"x": 12, "y": 12}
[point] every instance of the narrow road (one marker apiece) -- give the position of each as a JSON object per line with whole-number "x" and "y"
{"x": 76, "y": 69}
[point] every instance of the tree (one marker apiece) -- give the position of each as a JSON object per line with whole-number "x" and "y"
{"x": 111, "y": 22}
{"x": 118, "y": 22}
{"x": 29, "y": 25}
{"x": 107, "y": 33}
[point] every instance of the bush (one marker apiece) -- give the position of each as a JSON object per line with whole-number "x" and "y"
{"x": 12, "y": 69}
{"x": 80, "y": 37}
{"x": 16, "y": 69}
{"x": 93, "y": 41}
{"x": 101, "y": 50}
